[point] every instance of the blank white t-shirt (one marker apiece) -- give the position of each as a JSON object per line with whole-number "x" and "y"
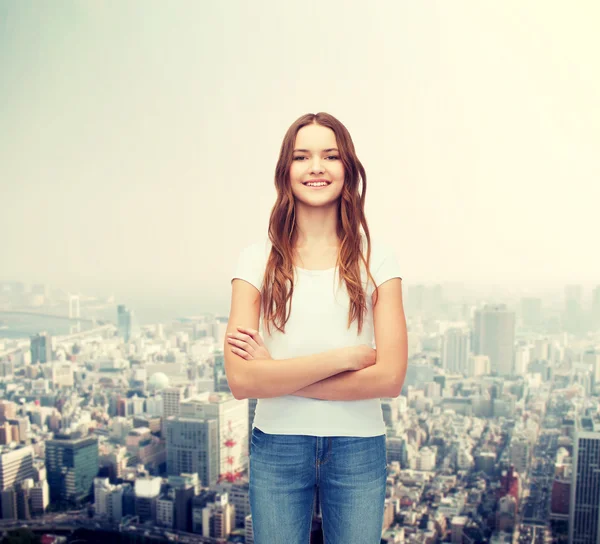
{"x": 317, "y": 323}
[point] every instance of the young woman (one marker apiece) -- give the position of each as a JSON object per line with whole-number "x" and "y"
{"x": 324, "y": 293}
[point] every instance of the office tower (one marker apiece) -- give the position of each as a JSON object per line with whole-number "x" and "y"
{"x": 232, "y": 424}
{"x": 172, "y": 397}
{"x": 40, "y": 497}
{"x": 183, "y": 507}
{"x": 592, "y": 357}
{"x": 102, "y": 493}
{"x": 16, "y": 465}
{"x": 199, "y": 502}
{"x": 125, "y": 319}
{"x": 147, "y": 491}
{"x": 573, "y": 313}
{"x": 240, "y": 498}
{"x": 218, "y": 517}
{"x": 531, "y": 312}
{"x": 220, "y": 378}
{"x": 455, "y": 350}
{"x": 584, "y": 507}
{"x": 41, "y": 348}
{"x": 192, "y": 447}
{"x": 8, "y": 499}
{"x": 165, "y": 509}
{"x": 72, "y": 465}
{"x": 522, "y": 358}
{"x": 495, "y": 325}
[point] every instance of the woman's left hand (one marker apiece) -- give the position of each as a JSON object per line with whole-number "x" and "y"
{"x": 248, "y": 344}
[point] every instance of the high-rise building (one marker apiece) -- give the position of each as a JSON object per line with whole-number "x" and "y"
{"x": 531, "y": 312}
{"x": 455, "y": 350}
{"x": 72, "y": 465}
{"x": 218, "y": 517}
{"x": 573, "y": 315}
{"x": 108, "y": 499}
{"x": 592, "y": 357}
{"x": 147, "y": 491}
{"x": 231, "y": 415}
{"x": 495, "y": 328}
{"x": 40, "y": 497}
{"x": 16, "y": 464}
{"x": 192, "y": 447}
{"x": 41, "y": 348}
{"x": 220, "y": 378}
{"x": 125, "y": 319}
{"x": 172, "y": 397}
{"x": 8, "y": 499}
{"x": 584, "y": 506}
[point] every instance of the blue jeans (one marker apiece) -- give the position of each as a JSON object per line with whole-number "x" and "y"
{"x": 287, "y": 471}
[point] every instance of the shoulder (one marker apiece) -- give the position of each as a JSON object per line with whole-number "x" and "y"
{"x": 257, "y": 249}
{"x": 381, "y": 252}
{"x": 383, "y": 263}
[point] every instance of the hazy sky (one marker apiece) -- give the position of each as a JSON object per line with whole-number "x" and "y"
{"x": 138, "y": 139}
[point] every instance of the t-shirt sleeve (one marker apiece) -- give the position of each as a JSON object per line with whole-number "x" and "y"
{"x": 387, "y": 266}
{"x": 250, "y": 266}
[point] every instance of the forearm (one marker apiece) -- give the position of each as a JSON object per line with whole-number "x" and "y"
{"x": 265, "y": 378}
{"x": 368, "y": 383}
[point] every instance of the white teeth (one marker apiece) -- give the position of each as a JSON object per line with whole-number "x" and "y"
{"x": 316, "y": 184}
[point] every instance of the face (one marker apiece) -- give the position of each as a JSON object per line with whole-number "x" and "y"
{"x": 316, "y": 156}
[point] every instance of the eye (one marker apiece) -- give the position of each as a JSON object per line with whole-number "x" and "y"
{"x": 296, "y": 158}
{"x": 333, "y": 157}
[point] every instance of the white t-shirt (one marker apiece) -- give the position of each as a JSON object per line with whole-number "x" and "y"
{"x": 318, "y": 322}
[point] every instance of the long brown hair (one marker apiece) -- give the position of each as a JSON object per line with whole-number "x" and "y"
{"x": 278, "y": 284}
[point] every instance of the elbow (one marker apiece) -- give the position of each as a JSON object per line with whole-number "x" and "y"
{"x": 237, "y": 389}
{"x": 396, "y": 384}
{"x": 236, "y": 386}
{"x": 238, "y": 395}
{"x": 394, "y": 389}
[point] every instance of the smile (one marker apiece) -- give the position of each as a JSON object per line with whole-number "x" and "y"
{"x": 316, "y": 184}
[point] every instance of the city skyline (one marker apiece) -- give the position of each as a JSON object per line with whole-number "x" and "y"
{"x": 134, "y": 150}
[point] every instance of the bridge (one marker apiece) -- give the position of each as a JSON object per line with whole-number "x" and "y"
{"x": 50, "y": 316}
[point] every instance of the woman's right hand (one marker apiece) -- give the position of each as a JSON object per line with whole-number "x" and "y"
{"x": 361, "y": 356}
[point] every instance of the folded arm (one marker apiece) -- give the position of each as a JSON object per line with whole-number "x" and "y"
{"x": 386, "y": 377}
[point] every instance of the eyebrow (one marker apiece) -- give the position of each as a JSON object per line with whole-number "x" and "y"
{"x": 324, "y": 150}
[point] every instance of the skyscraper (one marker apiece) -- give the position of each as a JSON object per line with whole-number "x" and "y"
{"x": 531, "y": 312}
{"x": 16, "y": 464}
{"x": 231, "y": 416}
{"x": 172, "y": 399}
{"x": 584, "y": 508}
{"x": 192, "y": 447}
{"x": 573, "y": 316}
{"x": 455, "y": 350}
{"x": 124, "y": 321}
{"x": 41, "y": 348}
{"x": 72, "y": 465}
{"x": 495, "y": 329}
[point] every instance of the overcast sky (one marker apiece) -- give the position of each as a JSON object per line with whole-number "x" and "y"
{"x": 138, "y": 140}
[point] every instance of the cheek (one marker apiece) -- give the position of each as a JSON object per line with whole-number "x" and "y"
{"x": 295, "y": 171}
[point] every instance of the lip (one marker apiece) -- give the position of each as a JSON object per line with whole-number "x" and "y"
{"x": 317, "y": 180}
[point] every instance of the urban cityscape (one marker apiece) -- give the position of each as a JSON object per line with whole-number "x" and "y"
{"x": 114, "y": 429}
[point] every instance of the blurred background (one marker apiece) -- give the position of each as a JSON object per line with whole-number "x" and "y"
{"x": 138, "y": 143}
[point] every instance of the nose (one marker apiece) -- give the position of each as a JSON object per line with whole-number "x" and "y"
{"x": 316, "y": 167}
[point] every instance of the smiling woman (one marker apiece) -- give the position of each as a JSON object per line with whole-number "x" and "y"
{"x": 308, "y": 302}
